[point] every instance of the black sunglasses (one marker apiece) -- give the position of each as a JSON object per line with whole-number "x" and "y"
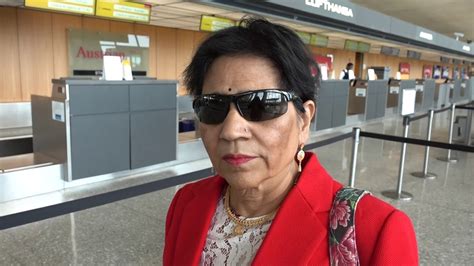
{"x": 259, "y": 105}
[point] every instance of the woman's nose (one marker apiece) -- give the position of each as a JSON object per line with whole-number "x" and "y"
{"x": 234, "y": 125}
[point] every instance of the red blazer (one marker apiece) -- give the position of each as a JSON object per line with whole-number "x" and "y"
{"x": 299, "y": 233}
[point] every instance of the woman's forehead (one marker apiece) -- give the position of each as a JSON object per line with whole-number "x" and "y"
{"x": 236, "y": 74}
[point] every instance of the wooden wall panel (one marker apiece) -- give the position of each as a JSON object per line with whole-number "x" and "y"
{"x": 95, "y": 24}
{"x": 61, "y": 23}
{"x": 184, "y": 53}
{"x": 149, "y": 31}
{"x": 10, "y": 86}
{"x": 341, "y": 58}
{"x": 121, "y": 27}
{"x": 166, "y": 53}
{"x": 36, "y": 57}
{"x": 199, "y": 36}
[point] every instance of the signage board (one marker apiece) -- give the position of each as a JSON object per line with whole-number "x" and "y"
{"x": 319, "y": 40}
{"x": 408, "y": 101}
{"x": 360, "y": 92}
{"x": 363, "y": 47}
{"x": 120, "y": 9}
{"x": 386, "y": 50}
{"x": 351, "y": 45}
{"x": 413, "y": 54}
{"x": 211, "y": 23}
{"x": 86, "y": 7}
{"x": 394, "y": 90}
{"x": 304, "y": 36}
{"x": 86, "y": 51}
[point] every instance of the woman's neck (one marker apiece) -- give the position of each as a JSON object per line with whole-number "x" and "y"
{"x": 264, "y": 199}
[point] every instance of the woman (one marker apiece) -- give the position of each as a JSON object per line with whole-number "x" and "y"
{"x": 269, "y": 202}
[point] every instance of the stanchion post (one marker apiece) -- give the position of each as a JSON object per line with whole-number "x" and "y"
{"x": 424, "y": 173}
{"x": 399, "y": 194}
{"x": 448, "y": 158}
{"x": 355, "y": 148}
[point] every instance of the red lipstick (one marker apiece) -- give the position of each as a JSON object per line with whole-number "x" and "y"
{"x": 237, "y": 159}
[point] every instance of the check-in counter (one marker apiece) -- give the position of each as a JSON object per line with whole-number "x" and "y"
{"x": 455, "y": 91}
{"x": 357, "y": 97}
{"x": 444, "y": 94}
{"x": 428, "y": 101}
{"x": 376, "y": 100}
{"x": 393, "y": 93}
{"x": 332, "y": 104}
{"x": 419, "y": 87}
{"x": 97, "y": 127}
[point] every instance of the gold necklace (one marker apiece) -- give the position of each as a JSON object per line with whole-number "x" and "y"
{"x": 243, "y": 224}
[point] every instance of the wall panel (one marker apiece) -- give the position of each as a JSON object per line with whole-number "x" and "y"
{"x": 166, "y": 53}
{"x": 184, "y": 53}
{"x": 95, "y": 24}
{"x": 61, "y": 23}
{"x": 121, "y": 27}
{"x": 149, "y": 31}
{"x": 10, "y": 86}
{"x": 36, "y": 57}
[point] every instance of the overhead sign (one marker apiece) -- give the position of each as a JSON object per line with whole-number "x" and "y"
{"x": 350, "y": 45}
{"x": 211, "y": 23}
{"x": 304, "y": 36}
{"x": 363, "y": 47}
{"x": 319, "y": 40}
{"x": 426, "y": 35}
{"x": 120, "y": 9}
{"x": 74, "y": 6}
{"x": 331, "y": 7}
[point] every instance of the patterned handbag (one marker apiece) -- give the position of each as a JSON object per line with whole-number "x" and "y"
{"x": 342, "y": 238}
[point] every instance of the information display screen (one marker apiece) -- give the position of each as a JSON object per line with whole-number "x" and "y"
{"x": 386, "y": 50}
{"x": 413, "y": 54}
{"x": 120, "y": 9}
{"x": 86, "y": 7}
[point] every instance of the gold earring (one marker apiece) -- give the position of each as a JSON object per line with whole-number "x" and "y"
{"x": 300, "y": 157}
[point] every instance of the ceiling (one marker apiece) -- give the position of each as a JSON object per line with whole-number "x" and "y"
{"x": 187, "y": 15}
{"x": 442, "y": 16}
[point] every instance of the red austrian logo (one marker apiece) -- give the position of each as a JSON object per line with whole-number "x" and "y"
{"x": 91, "y": 54}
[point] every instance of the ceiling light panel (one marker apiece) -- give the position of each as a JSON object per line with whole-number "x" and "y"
{"x": 203, "y": 9}
{"x": 173, "y": 10}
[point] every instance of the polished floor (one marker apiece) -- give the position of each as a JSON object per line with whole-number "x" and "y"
{"x": 132, "y": 231}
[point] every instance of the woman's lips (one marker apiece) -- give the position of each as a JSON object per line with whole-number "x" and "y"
{"x": 237, "y": 159}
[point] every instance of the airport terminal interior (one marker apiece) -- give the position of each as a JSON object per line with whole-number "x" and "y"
{"x": 97, "y": 132}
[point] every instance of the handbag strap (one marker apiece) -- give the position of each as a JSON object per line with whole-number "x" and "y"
{"x": 342, "y": 238}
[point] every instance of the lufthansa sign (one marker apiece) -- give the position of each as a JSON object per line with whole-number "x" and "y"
{"x": 331, "y": 7}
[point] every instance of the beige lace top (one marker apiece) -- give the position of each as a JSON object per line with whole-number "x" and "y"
{"x": 222, "y": 248}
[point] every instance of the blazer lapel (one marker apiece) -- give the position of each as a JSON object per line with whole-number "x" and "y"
{"x": 294, "y": 234}
{"x": 197, "y": 217}
{"x": 299, "y": 231}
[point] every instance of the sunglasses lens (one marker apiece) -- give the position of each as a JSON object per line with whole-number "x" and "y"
{"x": 211, "y": 109}
{"x": 262, "y": 105}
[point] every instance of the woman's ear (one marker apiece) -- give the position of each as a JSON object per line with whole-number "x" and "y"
{"x": 310, "y": 108}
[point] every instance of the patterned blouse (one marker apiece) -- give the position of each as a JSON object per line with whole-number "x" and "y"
{"x": 222, "y": 248}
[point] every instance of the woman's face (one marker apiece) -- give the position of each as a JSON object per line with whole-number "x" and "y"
{"x": 250, "y": 154}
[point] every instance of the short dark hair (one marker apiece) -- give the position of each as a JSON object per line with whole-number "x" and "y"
{"x": 259, "y": 37}
{"x": 349, "y": 65}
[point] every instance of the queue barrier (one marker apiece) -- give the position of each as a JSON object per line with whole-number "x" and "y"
{"x": 30, "y": 216}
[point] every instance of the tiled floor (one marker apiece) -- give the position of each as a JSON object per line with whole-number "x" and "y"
{"x": 132, "y": 231}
